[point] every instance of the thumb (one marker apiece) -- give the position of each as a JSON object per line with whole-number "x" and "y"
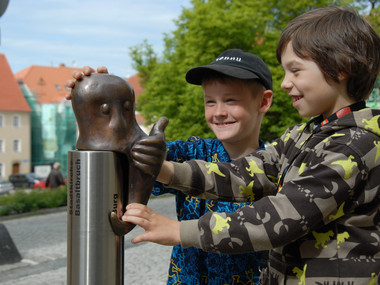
{"x": 139, "y": 238}
{"x": 159, "y": 126}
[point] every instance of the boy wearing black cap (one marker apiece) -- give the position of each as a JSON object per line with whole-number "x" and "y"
{"x": 237, "y": 90}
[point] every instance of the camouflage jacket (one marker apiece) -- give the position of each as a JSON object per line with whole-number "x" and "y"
{"x": 317, "y": 193}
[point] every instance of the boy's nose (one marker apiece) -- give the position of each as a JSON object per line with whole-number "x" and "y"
{"x": 220, "y": 110}
{"x": 286, "y": 84}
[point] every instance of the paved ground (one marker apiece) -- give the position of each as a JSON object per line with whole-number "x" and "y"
{"x": 42, "y": 243}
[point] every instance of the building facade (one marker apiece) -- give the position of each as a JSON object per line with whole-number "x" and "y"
{"x": 53, "y": 124}
{"x": 15, "y": 125}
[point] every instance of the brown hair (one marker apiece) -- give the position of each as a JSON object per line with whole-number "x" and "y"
{"x": 339, "y": 41}
{"x": 212, "y": 75}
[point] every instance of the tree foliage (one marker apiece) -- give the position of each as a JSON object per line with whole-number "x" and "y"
{"x": 203, "y": 31}
{"x": 374, "y": 14}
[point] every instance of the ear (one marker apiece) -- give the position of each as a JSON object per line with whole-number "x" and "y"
{"x": 266, "y": 101}
{"x": 342, "y": 76}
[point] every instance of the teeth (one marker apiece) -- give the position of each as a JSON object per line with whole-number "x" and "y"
{"x": 296, "y": 98}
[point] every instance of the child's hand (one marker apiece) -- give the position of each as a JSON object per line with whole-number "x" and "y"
{"x": 149, "y": 153}
{"x": 86, "y": 71}
{"x": 158, "y": 228}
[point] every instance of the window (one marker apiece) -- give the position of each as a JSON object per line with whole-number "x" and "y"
{"x": 2, "y": 146}
{"x": 2, "y": 170}
{"x": 16, "y": 145}
{"x": 2, "y": 123}
{"x": 16, "y": 121}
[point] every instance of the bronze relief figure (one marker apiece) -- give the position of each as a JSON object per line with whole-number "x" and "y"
{"x": 104, "y": 106}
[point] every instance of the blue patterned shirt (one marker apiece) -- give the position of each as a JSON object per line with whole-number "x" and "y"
{"x": 191, "y": 265}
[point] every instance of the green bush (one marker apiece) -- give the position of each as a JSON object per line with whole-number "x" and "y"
{"x": 22, "y": 201}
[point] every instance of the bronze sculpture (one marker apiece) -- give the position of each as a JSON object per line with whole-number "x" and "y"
{"x": 104, "y": 107}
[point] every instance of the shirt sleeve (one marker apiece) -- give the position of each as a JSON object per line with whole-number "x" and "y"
{"x": 244, "y": 180}
{"x": 175, "y": 151}
{"x": 273, "y": 221}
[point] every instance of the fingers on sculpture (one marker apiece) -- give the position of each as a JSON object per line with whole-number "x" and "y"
{"x": 104, "y": 107}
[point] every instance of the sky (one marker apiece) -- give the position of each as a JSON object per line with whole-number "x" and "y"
{"x": 84, "y": 32}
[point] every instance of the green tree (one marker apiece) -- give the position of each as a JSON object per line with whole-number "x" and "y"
{"x": 374, "y": 14}
{"x": 203, "y": 31}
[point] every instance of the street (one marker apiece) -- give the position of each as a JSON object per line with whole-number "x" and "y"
{"x": 42, "y": 243}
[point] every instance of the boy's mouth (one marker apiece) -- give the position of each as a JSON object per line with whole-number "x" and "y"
{"x": 222, "y": 124}
{"x": 296, "y": 98}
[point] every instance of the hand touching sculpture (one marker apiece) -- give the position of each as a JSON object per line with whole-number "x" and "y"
{"x": 158, "y": 228}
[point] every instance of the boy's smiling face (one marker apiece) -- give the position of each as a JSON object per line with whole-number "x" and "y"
{"x": 232, "y": 110}
{"x": 312, "y": 94}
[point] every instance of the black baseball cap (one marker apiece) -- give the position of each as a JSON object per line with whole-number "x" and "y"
{"x": 234, "y": 63}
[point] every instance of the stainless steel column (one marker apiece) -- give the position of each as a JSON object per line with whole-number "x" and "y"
{"x": 95, "y": 255}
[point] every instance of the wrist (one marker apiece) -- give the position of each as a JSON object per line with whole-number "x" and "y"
{"x": 166, "y": 173}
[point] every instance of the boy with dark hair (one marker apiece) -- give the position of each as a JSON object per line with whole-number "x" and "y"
{"x": 316, "y": 188}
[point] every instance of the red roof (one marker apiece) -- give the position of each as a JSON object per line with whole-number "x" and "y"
{"x": 134, "y": 81}
{"x": 48, "y": 83}
{"x": 11, "y": 97}
{"x": 139, "y": 118}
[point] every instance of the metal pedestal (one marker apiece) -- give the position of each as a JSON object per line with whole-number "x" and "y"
{"x": 95, "y": 255}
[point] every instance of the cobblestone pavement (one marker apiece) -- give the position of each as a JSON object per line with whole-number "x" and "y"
{"x": 42, "y": 243}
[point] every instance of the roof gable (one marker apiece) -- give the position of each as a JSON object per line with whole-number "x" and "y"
{"x": 135, "y": 83}
{"x": 138, "y": 89}
{"x": 47, "y": 83}
{"x": 11, "y": 97}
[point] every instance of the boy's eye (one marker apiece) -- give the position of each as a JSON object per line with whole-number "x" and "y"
{"x": 231, "y": 101}
{"x": 209, "y": 103}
